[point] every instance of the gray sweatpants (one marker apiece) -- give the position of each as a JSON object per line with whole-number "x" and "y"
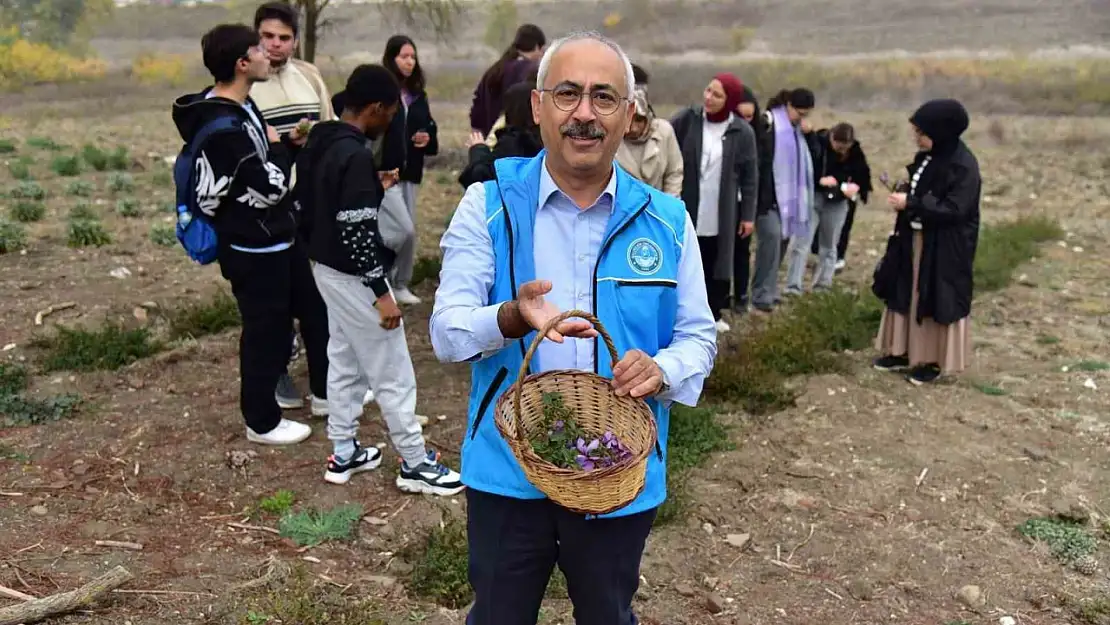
{"x": 362, "y": 354}
{"x": 768, "y": 256}
{"x": 825, "y": 222}
{"x": 399, "y": 229}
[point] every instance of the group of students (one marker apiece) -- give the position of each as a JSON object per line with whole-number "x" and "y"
{"x": 304, "y": 233}
{"x": 738, "y": 172}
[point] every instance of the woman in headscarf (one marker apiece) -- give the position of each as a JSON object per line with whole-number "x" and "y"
{"x": 650, "y": 149}
{"x": 785, "y": 188}
{"x": 925, "y": 277}
{"x": 748, "y": 110}
{"x": 520, "y": 136}
{"x": 719, "y": 181}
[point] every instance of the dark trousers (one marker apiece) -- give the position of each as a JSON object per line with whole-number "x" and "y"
{"x": 272, "y": 289}
{"x": 845, "y": 233}
{"x": 741, "y": 271}
{"x": 716, "y": 290}
{"x": 516, "y": 543}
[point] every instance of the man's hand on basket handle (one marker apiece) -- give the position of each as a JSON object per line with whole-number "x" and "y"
{"x": 637, "y": 375}
{"x": 531, "y": 311}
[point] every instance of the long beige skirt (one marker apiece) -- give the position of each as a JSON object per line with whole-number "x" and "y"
{"x": 948, "y": 346}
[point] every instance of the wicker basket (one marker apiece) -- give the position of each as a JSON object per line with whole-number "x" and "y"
{"x": 597, "y": 410}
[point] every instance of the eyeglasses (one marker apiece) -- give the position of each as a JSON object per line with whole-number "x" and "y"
{"x": 567, "y": 98}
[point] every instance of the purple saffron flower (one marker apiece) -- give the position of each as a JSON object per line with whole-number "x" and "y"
{"x": 585, "y": 463}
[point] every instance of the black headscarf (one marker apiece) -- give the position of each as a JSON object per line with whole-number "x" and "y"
{"x": 749, "y": 96}
{"x": 943, "y": 121}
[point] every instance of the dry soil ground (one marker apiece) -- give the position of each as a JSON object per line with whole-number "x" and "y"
{"x": 835, "y": 490}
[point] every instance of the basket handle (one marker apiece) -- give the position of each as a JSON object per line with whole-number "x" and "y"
{"x": 540, "y": 335}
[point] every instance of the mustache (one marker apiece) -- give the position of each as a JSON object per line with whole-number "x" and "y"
{"x": 582, "y": 130}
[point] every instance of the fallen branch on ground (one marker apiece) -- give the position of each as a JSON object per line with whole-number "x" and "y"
{"x": 15, "y": 594}
{"x": 50, "y": 310}
{"x": 119, "y": 544}
{"x": 39, "y": 609}
{"x": 256, "y": 528}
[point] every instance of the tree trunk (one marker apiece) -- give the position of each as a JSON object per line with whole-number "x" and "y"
{"x": 310, "y": 30}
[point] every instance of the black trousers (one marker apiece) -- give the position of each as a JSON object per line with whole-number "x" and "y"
{"x": 272, "y": 289}
{"x": 516, "y": 543}
{"x": 741, "y": 270}
{"x": 845, "y": 233}
{"x": 716, "y": 290}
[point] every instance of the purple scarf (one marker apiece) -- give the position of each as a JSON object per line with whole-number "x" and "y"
{"x": 793, "y": 168}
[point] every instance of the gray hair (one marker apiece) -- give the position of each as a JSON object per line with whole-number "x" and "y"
{"x": 545, "y": 62}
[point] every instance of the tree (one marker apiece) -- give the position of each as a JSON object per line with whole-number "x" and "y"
{"x": 440, "y": 14}
{"x": 58, "y": 23}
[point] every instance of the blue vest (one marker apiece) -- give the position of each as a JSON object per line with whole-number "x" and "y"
{"x": 635, "y": 297}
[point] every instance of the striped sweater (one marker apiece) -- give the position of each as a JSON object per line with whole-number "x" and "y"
{"x": 295, "y": 91}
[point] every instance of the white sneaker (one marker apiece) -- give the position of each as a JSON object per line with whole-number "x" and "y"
{"x": 320, "y": 406}
{"x": 723, "y": 327}
{"x": 286, "y": 433}
{"x": 840, "y": 264}
{"x": 405, "y": 296}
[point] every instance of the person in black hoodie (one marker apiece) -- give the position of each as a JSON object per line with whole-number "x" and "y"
{"x": 242, "y": 190}
{"x": 844, "y": 159}
{"x": 519, "y": 137}
{"x": 342, "y": 191}
{"x": 748, "y": 110}
{"x": 411, "y": 136}
{"x": 925, "y": 277}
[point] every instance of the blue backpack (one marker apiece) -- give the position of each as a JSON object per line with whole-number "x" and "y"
{"x": 194, "y": 231}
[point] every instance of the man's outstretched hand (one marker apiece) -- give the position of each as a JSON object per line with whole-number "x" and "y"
{"x": 537, "y": 312}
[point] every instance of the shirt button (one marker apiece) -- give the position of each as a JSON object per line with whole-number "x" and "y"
{"x": 582, "y": 258}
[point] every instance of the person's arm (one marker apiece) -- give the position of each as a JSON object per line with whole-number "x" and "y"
{"x": 953, "y": 208}
{"x": 464, "y": 324}
{"x": 864, "y": 181}
{"x": 433, "y": 134}
{"x": 239, "y": 170}
{"x": 687, "y": 361}
{"x": 360, "y": 200}
{"x": 479, "y": 108}
{"x": 672, "y": 175}
{"x": 747, "y": 174}
{"x": 480, "y": 167}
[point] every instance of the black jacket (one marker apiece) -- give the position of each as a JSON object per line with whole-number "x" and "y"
{"x": 510, "y": 142}
{"x": 340, "y": 194}
{"x": 946, "y": 202}
{"x": 853, "y": 168}
{"x": 765, "y": 140}
{"x": 242, "y": 187}
{"x": 398, "y": 151}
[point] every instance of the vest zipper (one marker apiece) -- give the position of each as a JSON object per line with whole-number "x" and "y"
{"x": 597, "y": 265}
{"x": 512, "y": 258}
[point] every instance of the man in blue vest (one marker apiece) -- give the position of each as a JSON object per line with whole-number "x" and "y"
{"x": 564, "y": 230}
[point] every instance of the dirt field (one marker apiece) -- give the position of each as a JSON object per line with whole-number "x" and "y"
{"x": 871, "y": 501}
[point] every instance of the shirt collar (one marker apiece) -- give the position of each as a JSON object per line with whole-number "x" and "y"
{"x": 548, "y": 188}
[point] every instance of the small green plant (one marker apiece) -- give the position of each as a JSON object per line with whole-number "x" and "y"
{"x": 28, "y": 190}
{"x": 301, "y": 600}
{"x": 162, "y": 178}
{"x": 279, "y": 503}
{"x": 440, "y": 571}
{"x": 1047, "y": 339}
{"x": 121, "y": 182}
{"x": 119, "y": 159}
{"x": 7, "y": 146}
{"x": 28, "y": 211}
{"x": 312, "y": 527}
{"x": 83, "y": 211}
{"x": 1090, "y": 366}
{"x": 12, "y": 454}
{"x": 66, "y": 165}
{"x": 198, "y": 319}
{"x": 109, "y": 347}
{"x": 13, "y": 379}
{"x": 163, "y": 235}
{"x": 20, "y": 168}
{"x": 1092, "y": 611}
{"x": 990, "y": 389}
{"x": 87, "y": 233}
{"x": 1066, "y": 540}
{"x": 128, "y": 207}
{"x": 18, "y": 410}
{"x": 425, "y": 268}
{"x": 45, "y": 143}
{"x": 94, "y": 157}
{"x": 13, "y": 237}
{"x": 79, "y": 188}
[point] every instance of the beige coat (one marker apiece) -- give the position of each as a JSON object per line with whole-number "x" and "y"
{"x": 661, "y": 163}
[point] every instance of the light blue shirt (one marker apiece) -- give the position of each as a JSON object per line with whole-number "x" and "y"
{"x": 567, "y": 242}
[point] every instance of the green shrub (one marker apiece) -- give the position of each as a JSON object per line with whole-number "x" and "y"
{"x": 162, "y": 178}
{"x": 163, "y": 235}
{"x": 28, "y": 211}
{"x": 107, "y": 348}
{"x": 17, "y": 410}
{"x": 66, "y": 165}
{"x": 440, "y": 571}
{"x": 7, "y": 146}
{"x": 45, "y": 143}
{"x": 121, "y": 182}
{"x": 1004, "y": 247}
{"x": 425, "y": 268}
{"x": 279, "y": 503}
{"x": 83, "y": 211}
{"x": 20, "y": 168}
{"x": 1066, "y": 540}
{"x": 95, "y": 157}
{"x": 13, "y": 237}
{"x": 199, "y": 319}
{"x": 119, "y": 159}
{"x": 87, "y": 233}
{"x": 128, "y": 207}
{"x": 79, "y": 188}
{"x": 28, "y": 190}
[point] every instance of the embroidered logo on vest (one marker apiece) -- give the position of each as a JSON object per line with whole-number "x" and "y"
{"x": 645, "y": 257}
